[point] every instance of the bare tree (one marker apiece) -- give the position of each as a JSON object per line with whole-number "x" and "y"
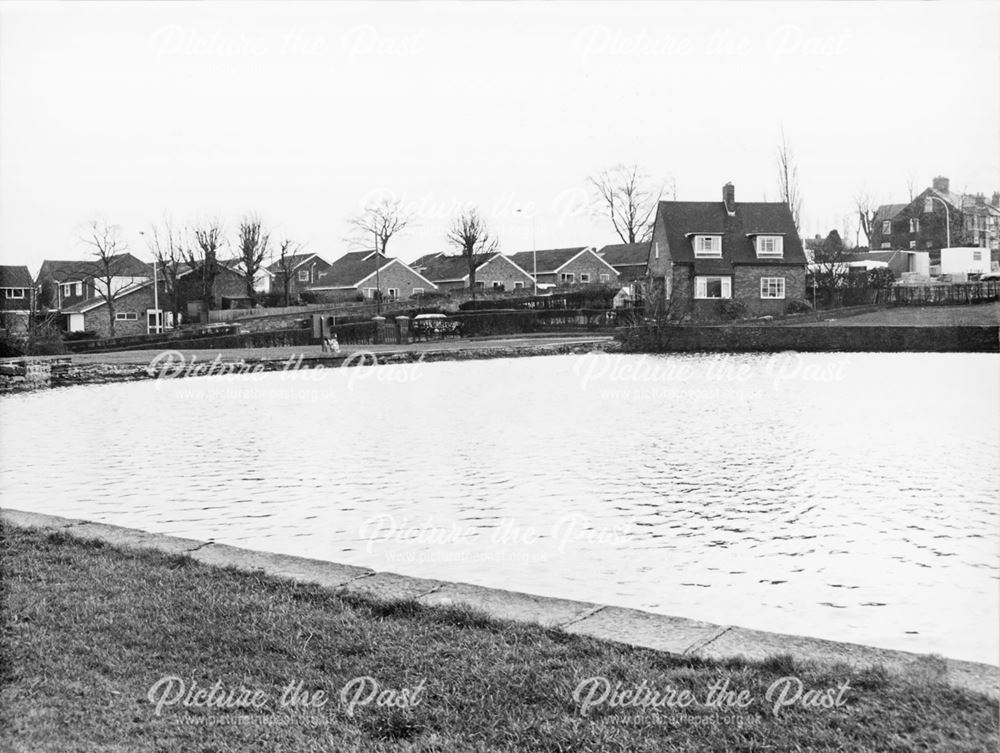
{"x": 253, "y": 241}
{"x": 830, "y": 269}
{"x": 381, "y": 221}
{"x": 628, "y": 198}
{"x": 911, "y": 186}
{"x": 108, "y": 249}
{"x": 167, "y": 246}
{"x": 788, "y": 180}
{"x": 468, "y": 234}
{"x": 202, "y": 253}
{"x": 866, "y": 207}
{"x": 286, "y": 250}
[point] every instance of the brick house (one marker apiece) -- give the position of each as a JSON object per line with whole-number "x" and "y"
{"x": 304, "y": 271}
{"x": 494, "y": 272}
{"x": 62, "y": 283}
{"x": 135, "y": 313}
{"x": 921, "y": 226}
{"x": 628, "y": 259}
{"x": 706, "y": 252}
{"x": 353, "y": 277}
{"x": 17, "y": 298}
{"x": 565, "y": 267}
{"x": 229, "y": 290}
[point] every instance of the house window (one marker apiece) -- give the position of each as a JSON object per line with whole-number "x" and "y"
{"x": 772, "y": 287}
{"x": 584, "y": 277}
{"x": 70, "y": 289}
{"x": 417, "y": 291}
{"x": 567, "y": 277}
{"x": 480, "y": 285}
{"x": 770, "y": 245}
{"x": 603, "y": 278}
{"x": 886, "y": 244}
{"x": 497, "y": 285}
{"x": 126, "y": 316}
{"x": 14, "y": 292}
{"x": 913, "y": 244}
{"x": 518, "y": 286}
{"x": 369, "y": 292}
{"x": 707, "y": 245}
{"x": 914, "y": 225}
{"x": 303, "y": 275}
{"x": 713, "y": 287}
{"x": 393, "y": 293}
{"x": 886, "y": 227}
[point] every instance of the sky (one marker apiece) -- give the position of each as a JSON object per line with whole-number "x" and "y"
{"x": 302, "y": 113}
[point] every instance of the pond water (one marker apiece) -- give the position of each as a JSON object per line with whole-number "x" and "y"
{"x": 844, "y": 496}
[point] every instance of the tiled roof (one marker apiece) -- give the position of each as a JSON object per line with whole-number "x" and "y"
{"x": 15, "y": 277}
{"x": 888, "y": 211}
{"x": 350, "y": 269}
{"x": 122, "y": 265}
{"x": 685, "y": 218}
{"x": 549, "y": 259}
{"x": 453, "y": 267}
{"x": 625, "y": 254}
{"x": 291, "y": 261}
{"x": 426, "y": 259}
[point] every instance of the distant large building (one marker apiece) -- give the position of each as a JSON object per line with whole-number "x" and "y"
{"x": 920, "y": 225}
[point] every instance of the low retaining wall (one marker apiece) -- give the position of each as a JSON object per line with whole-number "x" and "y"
{"x": 764, "y": 339}
{"x": 674, "y": 635}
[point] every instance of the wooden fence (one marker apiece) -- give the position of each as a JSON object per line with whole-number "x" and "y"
{"x": 944, "y": 295}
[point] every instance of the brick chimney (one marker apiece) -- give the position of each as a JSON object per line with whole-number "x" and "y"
{"x": 996, "y": 199}
{"x": 729, "y": 198}
{"x": 980, "y": 200}
{"x": 940, "y": 183}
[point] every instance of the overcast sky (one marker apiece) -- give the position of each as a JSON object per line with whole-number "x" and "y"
{"x": 302, "y": 112}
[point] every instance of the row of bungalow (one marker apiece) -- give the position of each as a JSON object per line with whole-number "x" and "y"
{"x": 700, "y": 253}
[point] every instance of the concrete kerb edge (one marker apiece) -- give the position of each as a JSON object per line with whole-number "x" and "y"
{"x": 982, "y": 677}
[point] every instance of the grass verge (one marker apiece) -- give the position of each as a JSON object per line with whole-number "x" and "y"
{"x": 88, "y": 630}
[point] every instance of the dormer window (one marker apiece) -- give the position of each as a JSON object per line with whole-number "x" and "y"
{"x": 770, "y": 246}
{"x": 708, "y": 246}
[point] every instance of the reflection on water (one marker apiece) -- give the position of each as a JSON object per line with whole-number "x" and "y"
{"x": 850, "y": 497}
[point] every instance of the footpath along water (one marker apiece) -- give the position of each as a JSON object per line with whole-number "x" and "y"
{"x": 842, "y": 496}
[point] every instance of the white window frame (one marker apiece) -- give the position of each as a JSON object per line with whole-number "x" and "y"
{"x": 585, "y": 277}
{"x": 604, "y": 278}
{"x": 392, "y": 293}
{"x": 701, "y": 287}
{"x": 886, "y": 227}
{"x": 497, "y": 285}
{"x": 518, "y": 286}
{"x": 14, "y": 293}
{"x": 777, "y": 244}
{"x": 369, "y": 292}
{"x": 714, "y": 243}
{"x": 567, "y": 277}
{"x": 416, "y": 291}
{"x": 303, "y": 275}
{"x": 126, "y": 316}
{"x": 778, "y": 284}
{"x": 914, "y": 225}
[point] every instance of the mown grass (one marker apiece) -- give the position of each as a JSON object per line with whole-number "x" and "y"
{"x": 88, "y": 629}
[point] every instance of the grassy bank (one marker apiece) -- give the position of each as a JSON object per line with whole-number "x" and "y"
{"x": 88, "y": 630}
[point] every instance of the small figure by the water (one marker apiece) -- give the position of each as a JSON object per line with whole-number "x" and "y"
{"x": 331, "y": 345}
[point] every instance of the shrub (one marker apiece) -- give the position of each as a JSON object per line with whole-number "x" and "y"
{"x": 732, "y": 309}
{"x": 86, "y": 334}
{"x": 798, "y": 306}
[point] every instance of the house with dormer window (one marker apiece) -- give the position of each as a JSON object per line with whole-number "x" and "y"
{"x": 705, "y": 252}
